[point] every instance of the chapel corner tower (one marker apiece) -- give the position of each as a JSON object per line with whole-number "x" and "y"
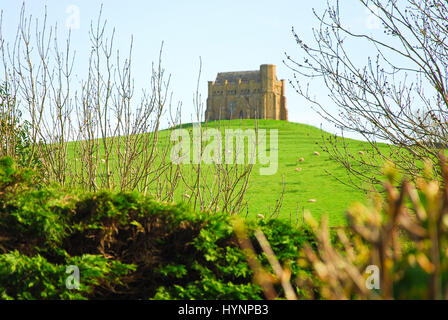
{"x": 247, "y": 95}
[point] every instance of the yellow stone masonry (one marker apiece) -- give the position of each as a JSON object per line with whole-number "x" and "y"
{"x": 247, "y": 95}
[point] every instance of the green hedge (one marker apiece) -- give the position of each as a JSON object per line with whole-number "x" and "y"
{"x": 125, "y": 245}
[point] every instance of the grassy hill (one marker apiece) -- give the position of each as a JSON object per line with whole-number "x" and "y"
{"x": 303, "y": 180}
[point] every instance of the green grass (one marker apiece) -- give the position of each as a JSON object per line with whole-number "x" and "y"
{"x": 313, "y": 181}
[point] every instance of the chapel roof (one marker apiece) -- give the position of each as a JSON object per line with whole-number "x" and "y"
{"x": 235, "y": 76}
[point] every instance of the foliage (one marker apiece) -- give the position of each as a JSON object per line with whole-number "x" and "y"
{"x": 23, "y": 277}
{"x": 403, "y": 235}
{"x": 126, "y": 245}
{"x": 12, "y": 178}
{"x": 15, "y": 135}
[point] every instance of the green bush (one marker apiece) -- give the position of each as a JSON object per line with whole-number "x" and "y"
{"x": 126, "y": 246}
{"x": 15, "y": 133}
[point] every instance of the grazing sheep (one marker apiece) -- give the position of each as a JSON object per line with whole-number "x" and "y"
{"x": 312, "y": 200}
{"x": 360, "y": 152}
{"x": 316, "y": 153}
{"x": 301, "y": 159}
{"x": 260, "y": 216}
{"x": 298, "y": 169}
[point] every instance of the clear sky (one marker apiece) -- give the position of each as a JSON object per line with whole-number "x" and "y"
{"x": 228, "y": 36}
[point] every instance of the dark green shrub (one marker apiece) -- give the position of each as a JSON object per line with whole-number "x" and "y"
{"x": 23, "y": 277}
{"x": 127, "y": 246}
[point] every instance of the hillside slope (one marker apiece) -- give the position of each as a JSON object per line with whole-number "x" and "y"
{"x": 304, "y": 181}
{"x": 315, "y": 178}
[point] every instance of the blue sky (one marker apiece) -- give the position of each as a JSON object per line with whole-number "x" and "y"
{"x": 237, "y": 35}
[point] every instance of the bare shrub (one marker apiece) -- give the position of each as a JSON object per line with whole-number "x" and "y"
{"x": 98, "y": 132}
{"x": 398, "y": 96}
